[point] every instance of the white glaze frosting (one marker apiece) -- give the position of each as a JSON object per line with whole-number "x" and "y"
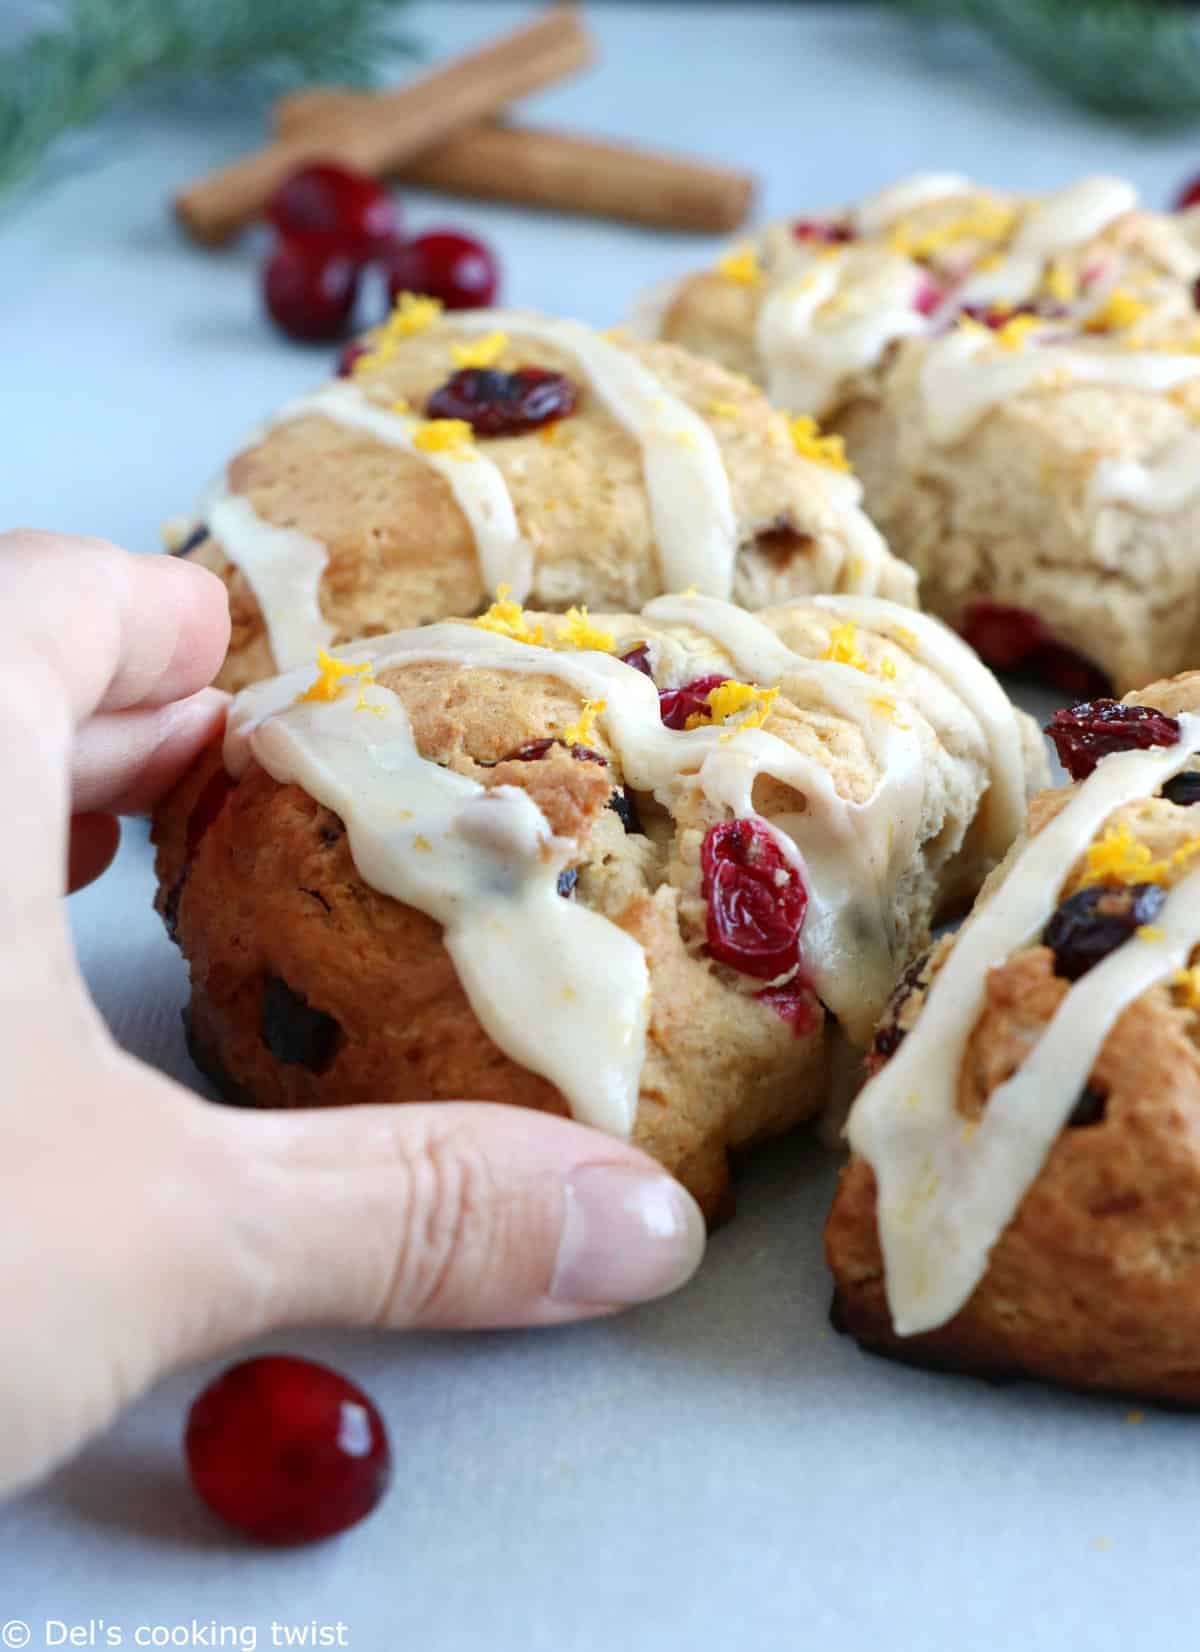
{"x": 490, "y": 873}
{"x": 283, "y": 567}
{"x": 876, "y": 212}
{"x": 948, "y": 1187}
{"x": 1157, "y": 487}
{"x": 1068, "y": 219}
{"x": 691, "y": 506}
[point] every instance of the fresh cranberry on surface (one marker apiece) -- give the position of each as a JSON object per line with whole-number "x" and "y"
{"x": 1084, "y": 733}
{"x": 1015, "y": 640}
{"x": 533, "y": 750}
{"x": 287, "y": 1450}
{"x": 1189, "y": 195}
{"x": 457, "y": 269}
{"x": 639, "y": 659}
{"x": 676, "y": 705}
{"x": 335, "y": 207}
{"x": 1093, "y": 922}
{"x": 821, "y": 231}
{"x": 504, "y": 404}
{"x": 756, "y": 899}
{"x": 795, "y": 1003}
{"x": 310, "y": 289}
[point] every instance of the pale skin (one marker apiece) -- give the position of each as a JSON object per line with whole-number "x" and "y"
{"x": 141, "y": 1226}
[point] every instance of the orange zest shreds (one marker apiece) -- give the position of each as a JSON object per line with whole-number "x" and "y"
{"x": 730, "y": 699}
{"x": 968, "y": 324}
{"x": 550, "y": 432}
{"x": 718, "y": 409}
{"x": 888, "y": 708}
{"x": 507, "y": 619}
{"x": 741, "y": 264}
{"x": 843, "y": 647}
{"x": 1187, "y": 983}
{"x": 987, "y": 221}
{"x": 580, "y": 731}
{"x": 1119, "y": 857}
{"x": 1015, "y": 333}
{"x": 401, "y": 405}
{"x": 577, "y": 631}
{"x": 1119, "y": 310}
{"x": 443, "y": 435}
{"x": 1150, "y": 932}
{"x": 810, "y": 444}
{"x": 412, "y": 314}
{"x": 887, "y": 668}
{"x": 907, "y": 639}
{"x": 481, "y": 352}
{"x": 1185, "y": 854}
{"x": 330, "y": 679}
{"x": 1060, "y": 281}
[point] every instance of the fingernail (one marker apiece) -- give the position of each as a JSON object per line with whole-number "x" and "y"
{"x": 628, "y": 1235}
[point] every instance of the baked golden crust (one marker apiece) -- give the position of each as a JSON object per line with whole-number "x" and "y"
{"x": 259, "y": 887}
{"x": 401, "y": 552}
{"x": 1095, "y": 1282}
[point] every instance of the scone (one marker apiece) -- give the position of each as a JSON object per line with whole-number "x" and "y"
{"x": 1024, "y": 1195}
{"x": 635, "y": 868}
{"x": 1017, "y": 381}
{"x": 496, "y": 453}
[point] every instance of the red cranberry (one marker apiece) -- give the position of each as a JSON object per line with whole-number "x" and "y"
{"x": 533, "y": 750}
{"x": 287, "y": 1450}
{"x": 929, "y": 296}
{"x": 795, "y": 1003}
{"x": 1084, "y": 733}
{"x": 639, "y": 659}
{"x": 756, "y": 900}
{"x": 459, "y": 270}
{"x": 676, "y": 705}
{"x": 1093, "y": 922}
{"x": 1183, "y": 789}
{"x": 349, "y": 356}
{"x": 626, "y": 811}
{"x": 1189, "y": 195}
{"x": 338, "y": 209}
{"x": 504, "y": 404}
{"x": 821, "y": 231}
{"x": 1015, "y": 640}
{"x": 310, "y": 289}
{"x": 1061, "y": 667}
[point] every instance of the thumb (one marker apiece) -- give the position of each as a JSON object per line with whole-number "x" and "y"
{"x": 448, "y": 1214}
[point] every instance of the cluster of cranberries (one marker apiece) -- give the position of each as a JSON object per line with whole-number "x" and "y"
{"x": 333, "y": 223}
{"x": 1017, "y": 641}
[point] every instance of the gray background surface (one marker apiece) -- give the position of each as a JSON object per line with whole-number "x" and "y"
{"x": 720, "y": 1470}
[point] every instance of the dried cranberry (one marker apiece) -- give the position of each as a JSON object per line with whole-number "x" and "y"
{"x": 1015, "y": 640}
{"x": 639, "y": 659}
{"x": 1189, "y": 195}
{"x": 756, "y": 899}
{"x": 626, "y": 812}
{"x": 1090, "y": 1109}
{"x": 1093, "y": 922}
{"x": 293, "y": 1031}
{"x": 193, "y": 540}
{"x": 349, "y": 356}
{"x": 884, "y": 1045}
{"x": 504, "y": 404}
{"x": 287, "y": 1450}
{"x": 310, "y": 290}
{"x": 1183, "y": 789}
{"x": 821, "y": 230}
{"x": 334, "y": 208}
{"x": 676, "y": 705}
{"x": 457, "y": 269}
{"x": 534, "y": 750}
{"x": 793, "y": 1002}
{"x": 567, "y": 879}
{"x": 1084, "y": 733}
{"x": 929, "y": 296}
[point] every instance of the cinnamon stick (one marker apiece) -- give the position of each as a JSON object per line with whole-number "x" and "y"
{"x": 558, "y": 171}
{"x": 395, "y": 125}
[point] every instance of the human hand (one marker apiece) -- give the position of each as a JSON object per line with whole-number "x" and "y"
{"x": 141, "y": 1227}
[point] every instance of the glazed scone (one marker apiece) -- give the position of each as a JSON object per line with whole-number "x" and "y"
{"x": 493, "y": 452}
{"x": 637, "y": 868}
{"x": 1017, "y": 381}
{"x": 1024, "y": 1195}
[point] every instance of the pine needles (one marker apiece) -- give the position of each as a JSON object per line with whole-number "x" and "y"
{"x": 102, "y": 49}
{"x": 1132, "y": 58}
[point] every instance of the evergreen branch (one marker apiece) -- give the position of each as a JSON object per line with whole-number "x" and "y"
{"x": 1133, "y": 58}
{"x": 66, "y": 76}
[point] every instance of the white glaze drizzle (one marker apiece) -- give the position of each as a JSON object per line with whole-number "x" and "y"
{"x": 1157, "y": 487}
{"x": 283, "y": 568}
{"x": 959, "y": 385}
{"x": 906, "y": 195}
{"x": 367, "y": 770}
{"x": 947, "y": 1187}
{"x": 1068, "y": 219}
{"x": 691, "y": 506}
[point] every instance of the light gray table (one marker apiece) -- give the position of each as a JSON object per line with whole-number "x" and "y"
{"x": 720, "y": 1470}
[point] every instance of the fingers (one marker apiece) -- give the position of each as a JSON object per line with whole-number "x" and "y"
{"x": 124, "y": 761}
{"x": 94, "y": 841}
{"x": 117, "y": 630}
{"x": 443, "y": 1215}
